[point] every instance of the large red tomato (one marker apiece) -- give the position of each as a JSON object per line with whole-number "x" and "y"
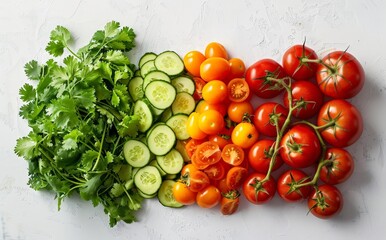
{"x": 295, "y": 62}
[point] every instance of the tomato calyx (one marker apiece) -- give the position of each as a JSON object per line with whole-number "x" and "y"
{"x": 320, "y": 201}
{"x": 231, "y": 194}
{"x": 258, "y": 187}
{"x": 294, "y": 185}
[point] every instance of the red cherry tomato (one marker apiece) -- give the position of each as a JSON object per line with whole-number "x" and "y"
{"x": 266, "y": 115}
{"x": 325, "y": 202}
{"x": 295, "y": 62}
{"x": 339, "y": 168}
{"x": 257, "y": 192}
{"x": 260, "y": 156}
{"x": 287, "y": 182}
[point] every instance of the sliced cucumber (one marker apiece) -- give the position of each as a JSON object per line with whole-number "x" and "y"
{"x": 170, "y": 177}
{"x": 155, "y": 75}
{"x": 170, "y": 63}
{"x": 172, "y": 162}
{"x": 146, "y": 57}
{"x": 184, "y": 84}
{"x": 142, "y": 110}
{"x": 165, "y": 195}
{"x": 161, "y": 94}
{"x": 148, "y": 180}
{"x": 155, "y": 111}
{"x": 154, "y": 163}
{"x": 178, "y": 125}
{"x": 147, "y": 196}
{"x": 166, "y": 114}
{"x": 161, "y": 139}
{"x": 135, "y": 87}
{"x": 184, "y": 103}
{"x": 137, "y": 73}
{"x": 180, "y": 147}
{"x": 136, "y": 153}
{"x": 147, "y": 67}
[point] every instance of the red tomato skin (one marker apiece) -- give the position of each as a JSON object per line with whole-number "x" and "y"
{"x": 284, "y": 182}
{"x": 260, "y": 197}
{"x": 308, "y": 92}
{"x": 259, "y": 157}
{"x": 333, "y": 198}
{"x": 345, "y": 80}
{"x": 294, "y": 67}
{"x": 348, "y": 126}
{"x": 256, "y": 76}
{"x": 304, "y": 155}
{"x": 340, "y": 168}
{"x": 262, "y": 121}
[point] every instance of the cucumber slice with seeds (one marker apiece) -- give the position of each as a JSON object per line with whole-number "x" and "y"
{"x": 178, "y": 125}
{"x": 172, "y": 162}
{"x": 160, "y": 94}
{"x": 142, "y": 110}
{"x": 136, "y": 153}
{"x": 148, "y": 180}
{"x": 135, "y": 87}
{"x": 165, "y": 195}
{"x": 161, "y": 139}
{"x": 146, "y": 57}
{"x": 147, "y": 67}
{"x": 184, "y": 103}
{"x": 184, "y": 84}
{"x": 155, "y": 75}
{"x": 170, "y": 63}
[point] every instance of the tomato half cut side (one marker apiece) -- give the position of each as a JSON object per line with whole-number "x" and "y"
{"x": 208, "y": 153}
{"x": 232, "y": 154}
{"x": 235, "y": 177}
{"x": 238, "y": 90}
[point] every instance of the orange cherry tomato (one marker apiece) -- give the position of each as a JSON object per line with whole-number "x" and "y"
{"x": 192, "y": 144}
{"x": 230, "y": 202}
{"x": 197, "y": 181}
{"x": 215, "y": 92}
{"x": 237, "y": 110}
{"x": 235, "y": 177}
{"x": 199, "y": 84}
{"x": 214, "y": 68}
{"x": 245, "y": 135}
{"x": 208, "y": 153}
{"x": 203, "y": 106}
{"x": 238, "y": 90}
{"x": 188, "y": 168}
{"x": 210, "y": 122}
{"x": 215, "y": 49}
{"x": 193, "y": 128}
{"x": 192, "y": 62}
{"x": 209, "y": 197}
{"x": 215, "y": 171}
{"x": 196, "y": 161}
{"x": 233, "y": 154}
{"x": 222, "y": 186}
{"x": 237, "y": 68}
{"x": 183, "y": 194}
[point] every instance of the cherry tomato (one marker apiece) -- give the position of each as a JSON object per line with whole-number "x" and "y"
{"x": 230, "y": 202}
{"x": 222, "y": 138}
{"x": 237, "y": 111}
{"x": 203, "y": 106}
{"x": 235, "y": 177}
{"x": 192, "y": 62}
{"x": 215, "y": 49}
{"x": 215, "y": 68}
{"x": 211, "y": 122}
{"x": 196, "y": 180}
{"x": 344, "y": 121}
{"x": 222, "y": 186}
{"x": 295, "y": 62}
{"x": 199, "y": 84}
{"x": 188, "y": 168}
{"x": 340, "y": 76}
{"x": 257, "y": 192}
{"x": 300, "y": 147}
{"x": 232, "y": 154}
{"x": 307, "y": 96}
{"x": 208, "y": 197}
{"x": 215, "y": 171}
{"x": 339, "y": 168}
{"x": 191, "y": 145}
{"x": 215, "y": 92}
{"x": 237, "y": 68}
{"x": 258, "y": 74}
{"x": 245, "y": 135}
{"x": 183, "y": 194}
{"x": 325, "y": 202}
{"x": 238, "y": 90}
{"x": 266, "y": 115}
{"x": 260, "y": 156}
{"x": 192, "y": 127}
{"x": 287, "y": 182}
{"x": 196, "y": 161}
{"x": 208, "y": 153}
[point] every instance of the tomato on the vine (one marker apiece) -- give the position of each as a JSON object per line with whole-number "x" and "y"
{"x": 192, "y": 62}
{"x": 260, "y": 155}
{"x": 259, "y": 77}
{"x": 214, "y": 68}
{"x": 295, "y": 62}
{"x": 215, "y": 49}
{"x": 343, "y": 123}
{"x": 208, "y": 197}
{"x": 300, "y": 147}
{"x": 307, "y": 97}
{"x": 325, "y": 201}
{"x": 215, "y": 92}
{"x": 341, "y": 75}
{"x": 257, "y": 192}
{"x": 287, "y": 185}
{"x": 266, "y": 115}
{"x": 238, "y": 90}
{"x": 245, "y": 134}
{"x": 183, "y": 194}
{"x": 339, "y": 166}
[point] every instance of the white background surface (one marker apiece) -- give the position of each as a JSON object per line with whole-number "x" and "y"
{"x": 250, "y": 30}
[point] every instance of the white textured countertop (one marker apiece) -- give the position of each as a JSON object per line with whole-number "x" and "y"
{"x": 250, "y": 30}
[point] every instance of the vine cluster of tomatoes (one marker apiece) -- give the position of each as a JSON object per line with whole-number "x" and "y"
{"x": 235, "y": 146}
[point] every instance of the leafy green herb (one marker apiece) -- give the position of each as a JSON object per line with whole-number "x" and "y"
{"x": 80, "y": 114}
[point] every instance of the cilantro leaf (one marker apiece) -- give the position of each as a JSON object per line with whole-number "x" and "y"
{"x": 32, "y": 70}
{"x": 111, "y": 29}
{"x": 27, "y": 93}
{"x": 63, "y": 112}
{"x": 59, "y": 37}
{"x": 27, "y": 147}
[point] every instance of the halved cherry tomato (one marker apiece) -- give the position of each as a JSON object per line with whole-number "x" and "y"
{"x": 245, "y": 135}
{"x": 215, "y": 49}
{"x": 222, "y": 186}
{"x": 183, "y": 194}
{"x": 203, "y": 106}
{"x": 209, "y": 197}
{"x": 191, "y": 146}
{"x": 188, "y": 168}
{"x": 222, "y": 138}
{"x": 193, "y": 128}
{"x": 230, "y": 202}
{"x": 215, "y": 68}
{"x": 192, "y": 62}
{"x": 211, "y": 122}
{"x": 208, "y": 153}
{"x": 238, "y": 90}
{"x": 199, "y": 84}
{"x": 196, "y": 180}
{"x": 214, "y": 92}
{"x": 215, "y": 171}
{"x": 232, "y": 154}
{"x": 237, "y": 68}
{"x": 237, "y": 111}
{"x": 197, "y": 163}
{"x": 235, "y": 177}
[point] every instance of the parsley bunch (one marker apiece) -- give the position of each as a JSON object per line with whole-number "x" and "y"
{"x": 80, "y": 115}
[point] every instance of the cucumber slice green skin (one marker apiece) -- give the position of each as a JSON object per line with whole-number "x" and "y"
{"x": 160, "y": 94}
{"x": 161, "y": 139}
{"x": 184, "y": 84}
{"x": 155, "y": 75}
{"x": 170, "y": 63}
{"x": 142, "y": 110}
{"x": 147, "y": 196}
{"x": 146, "y": 57}
{"x": 136, "y": 153}
{"x": 147, "y": 67}
{"x": 184, "y": 103}
{"x": 178, "y": 124}
{"x": 135, "y": 88}
{"x": 148, "y": 180}
{"x": 172, "y": 162}
{"x": 165, "y": 195}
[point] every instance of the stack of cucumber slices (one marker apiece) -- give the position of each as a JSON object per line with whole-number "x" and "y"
{"x": 163, "y": 98}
